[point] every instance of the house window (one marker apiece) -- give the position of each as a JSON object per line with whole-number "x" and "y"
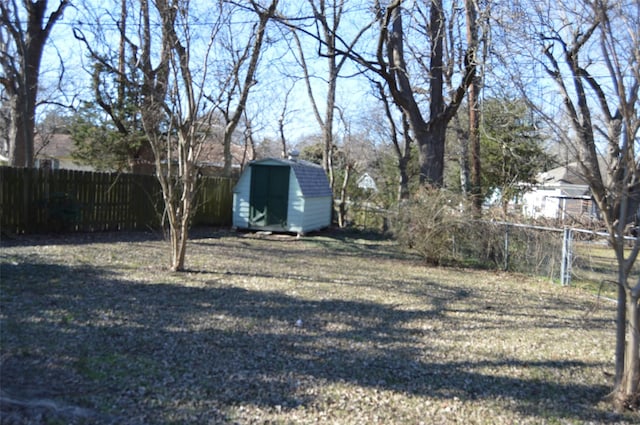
{"x": 48, "y": 164}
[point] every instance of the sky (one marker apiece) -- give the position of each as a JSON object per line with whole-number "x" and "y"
{"x": 278, "y": 74}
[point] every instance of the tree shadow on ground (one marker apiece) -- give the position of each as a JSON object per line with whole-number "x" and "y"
{"x": 144, "y": 353}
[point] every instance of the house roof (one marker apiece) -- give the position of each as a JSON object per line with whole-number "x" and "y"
{"x": 311, "y": 177}
{"x": 365, "y": 181}
{"x": 213, "y": 153}
{"x": 572, "y": 174}
{"x": 54, "y": 146}
{"x": 577, "y": 191}
{"x": 61, "y": 146}
{"x": 568, "y": 174}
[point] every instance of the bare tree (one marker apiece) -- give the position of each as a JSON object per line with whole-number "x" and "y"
{"x": 388, "y": 61}
{"x": 5, "y": 123}
{"x": 401, "y": 141}
{"x": 391, "y": 64}
{"x": 429, "y": 132}
{"x": 234, "y": 87}
{"x": 24, "y": 31}
{"x": 174, "y": 63}
{"x": 348, "y": 165}
{"x": 468, "y": 136}
{"x": 328, "y": 15}
{"x": 281, "y": 124}
{"x": 185, "y": 101}
{"x": 590, "y": 50}
{"x": 471, "y": 14}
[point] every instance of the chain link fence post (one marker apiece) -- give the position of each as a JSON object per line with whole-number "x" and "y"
{"x": 565, "y": 271}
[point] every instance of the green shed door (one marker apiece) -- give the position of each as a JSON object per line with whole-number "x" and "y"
{"x": 268, "y": 201}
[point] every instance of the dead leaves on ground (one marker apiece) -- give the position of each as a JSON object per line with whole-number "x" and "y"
{"x": 312, "y": 330}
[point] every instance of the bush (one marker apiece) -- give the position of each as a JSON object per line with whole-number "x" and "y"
{"x": 435, "y": 224}
{"x": 63, "y": 211}
{"x": 440, "y": 226}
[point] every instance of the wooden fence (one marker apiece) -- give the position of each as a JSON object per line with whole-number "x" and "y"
{"x": 40, "y": 201}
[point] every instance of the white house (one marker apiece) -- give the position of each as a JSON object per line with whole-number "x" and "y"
{"x": 562, "y": 194}
{"x": 366, "y": 182}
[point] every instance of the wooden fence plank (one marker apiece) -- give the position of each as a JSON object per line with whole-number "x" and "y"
{"x": 40, "y": 201}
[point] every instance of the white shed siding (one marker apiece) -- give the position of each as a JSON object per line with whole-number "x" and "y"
{"x": 241, "y": 195}
{"x": 295, "y": 212}
{"x": 317, "y": 214}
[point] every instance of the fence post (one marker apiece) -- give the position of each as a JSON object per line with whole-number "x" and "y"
{"x": 565, "y": 270}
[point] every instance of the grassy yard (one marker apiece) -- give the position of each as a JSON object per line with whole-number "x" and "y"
{"x": 326, "y": 329}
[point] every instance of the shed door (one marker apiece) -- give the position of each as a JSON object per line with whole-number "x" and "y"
{"x": 269, "y": 195}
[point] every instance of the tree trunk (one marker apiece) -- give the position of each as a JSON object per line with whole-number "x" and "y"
{"x": 227, "y": 169}
{"x": 342, "y": 208}
{"x": 179, "y": 238}
{"x": 180, "y": 234}
{"x": 23, "y": 108}
{"x": 404, "y": 157}
{"x": 621, "y": 320}
{"x": 403, "y": 187}
{"x": 474, "y": 107}
{"x": 327, "y": 154}
{"x": 402, "y": 151}
{"x": 21, "y": 82}
{"x": 627, "y": 392}
{"x": 632, "y": 361}
{"x": 18, "y": 133}
{"x": 474, "y": 142}
{"x": 463, "y": 159}
{"x": 431, "y": 153}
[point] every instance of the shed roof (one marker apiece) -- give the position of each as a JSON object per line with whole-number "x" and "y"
{"x": 311, "y": 177}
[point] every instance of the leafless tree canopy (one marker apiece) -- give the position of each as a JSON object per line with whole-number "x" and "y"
{"x": 589, "y": 52}
{"x": 24, "y": 31}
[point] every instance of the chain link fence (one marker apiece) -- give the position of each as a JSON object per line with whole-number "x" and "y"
{"x": 570, "y": 256}
{"x": 566, "y": 255}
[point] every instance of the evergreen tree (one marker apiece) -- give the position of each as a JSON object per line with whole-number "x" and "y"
{"x": 511, "y": 148}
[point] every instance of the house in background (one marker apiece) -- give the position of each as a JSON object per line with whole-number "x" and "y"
{"x": 560, "y": 194}
{"x": 55, "y": 152}
{"x": 282, "y": 195}
{"x": 210, "y": 162}
{"x": 367, "y": 182}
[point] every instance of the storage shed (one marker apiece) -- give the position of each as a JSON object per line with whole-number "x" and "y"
{"x": 286, "y": 195}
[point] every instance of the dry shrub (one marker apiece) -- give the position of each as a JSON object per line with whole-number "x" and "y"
{"x": 435, "y": 223}
{"x": 441, "y": 227}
